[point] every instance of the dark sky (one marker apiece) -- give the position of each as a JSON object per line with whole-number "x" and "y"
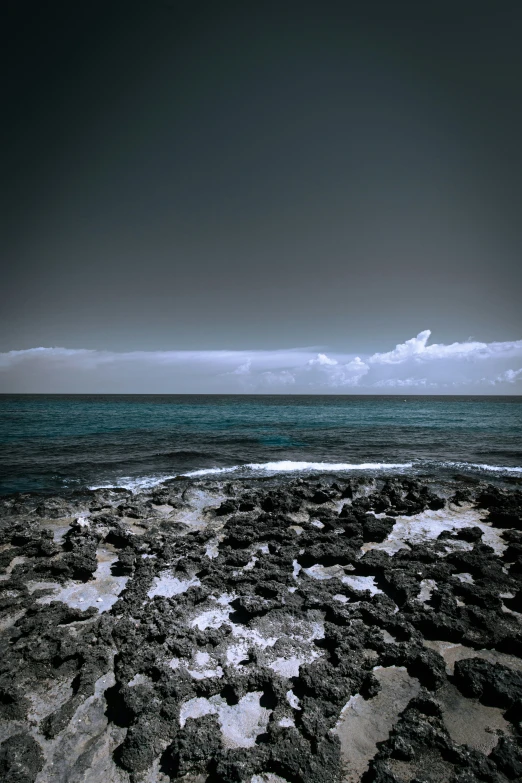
{"x": 209, "y": 175}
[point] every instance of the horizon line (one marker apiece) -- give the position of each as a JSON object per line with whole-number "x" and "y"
{"x": 242, "y": 394}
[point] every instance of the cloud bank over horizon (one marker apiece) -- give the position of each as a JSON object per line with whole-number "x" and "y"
{"x": 414, "y": 366}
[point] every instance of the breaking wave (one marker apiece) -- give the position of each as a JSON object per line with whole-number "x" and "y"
{"x": 502, "y": 469}
{"x": 135, "y": 485}
{"x": 144, "y": 483}
{"x": 289, "y": 466}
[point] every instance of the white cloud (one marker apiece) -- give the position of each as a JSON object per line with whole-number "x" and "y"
{"x": 275, "y": 379}
{"x": 243, "y": 369}
{"x": 349, "y": 374}
{"x": 413, "y": 364}
{"x": 324, "y": 371}
{"x": 322, "y": 360}
{"x": 509, "y": 376}
{"x": 417, "y": 349}
{"x": 413, "y": 347}
{"x": 401, "y": 383}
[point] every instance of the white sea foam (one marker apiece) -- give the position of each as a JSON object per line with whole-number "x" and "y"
{"x": 144, "y": 483}
{"x": 210, "y": 471}
{"x": 290, "y": 466}
{"x": 484, "y": 466}
{"x": 135, "y": 485}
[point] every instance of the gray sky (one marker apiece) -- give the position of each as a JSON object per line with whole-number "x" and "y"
{"x": 257, "y": 177}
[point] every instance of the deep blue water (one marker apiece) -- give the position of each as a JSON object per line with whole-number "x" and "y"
{"x": 52, "y": 443}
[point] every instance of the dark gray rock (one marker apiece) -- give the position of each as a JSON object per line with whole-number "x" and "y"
{"x": 21, "y": 759}
{"x": 493, "y": 684}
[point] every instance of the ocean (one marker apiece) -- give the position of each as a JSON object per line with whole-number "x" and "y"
{"x": 59, "y": 443}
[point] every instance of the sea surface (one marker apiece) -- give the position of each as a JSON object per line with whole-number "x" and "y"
{"x": 58, "y": 443}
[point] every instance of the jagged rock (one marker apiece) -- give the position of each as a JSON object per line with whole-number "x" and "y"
{"x": 225, "y": 611}
{"x": 21, "y": 759}
{"x": 493, "y": 684}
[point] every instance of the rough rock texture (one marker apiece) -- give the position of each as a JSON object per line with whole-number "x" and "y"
{"x": 208, "y": 631}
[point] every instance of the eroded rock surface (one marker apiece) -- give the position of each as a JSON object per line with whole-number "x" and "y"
{"x": 261, "y": 632}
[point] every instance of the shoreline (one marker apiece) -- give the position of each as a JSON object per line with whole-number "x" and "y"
{"x": 273, "y": 628}
{"x": 452, "y": 474}
{"x": 430, "y": 471}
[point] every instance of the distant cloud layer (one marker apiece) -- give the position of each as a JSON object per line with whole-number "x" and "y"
{"x": 412, "y": 366}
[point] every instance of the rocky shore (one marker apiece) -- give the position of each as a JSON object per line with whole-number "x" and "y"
{"x": 308, "y": 631}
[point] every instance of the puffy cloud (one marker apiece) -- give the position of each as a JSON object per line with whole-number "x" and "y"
{"x": 333, "y": 374}
{"x": 403, "y": 351}
{"x": 413, "y": 364}
{"x": 349, "y": 374}
{"x": 509, "y": 376}
{"x": 243, "y": 369}
{"x": 322, "y": 360}
{"x": 417, "y": 349}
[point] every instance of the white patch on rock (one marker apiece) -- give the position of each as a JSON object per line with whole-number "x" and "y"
{"x": 204, "y": 667}
{"x": 466, "y": 578}
{"x": 101, "y": 592}
{"x": 337, "y": 571}
{"x": 139, "y": 679}
{"x": 167, "y": 585}
{"x": 292, "y": 700}
{"x": 297, "y": 568}
{"x": 216, "y": 616}
{"x": 198, "y": 503}
{"x": 321, "y": 572}
{"x": 282, "y": 642}
{"x": 361, "y": 583}
{"x": 428, "y": 525}
{"x": 289, "y": 667}
{"x": 240, "y": 723}
{"x": 427, "y": 586}
{"x": 251, "y": 563}
{"x": 212, "y": 549}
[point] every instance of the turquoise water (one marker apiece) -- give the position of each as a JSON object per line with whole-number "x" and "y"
{"x": 52, "y": 443}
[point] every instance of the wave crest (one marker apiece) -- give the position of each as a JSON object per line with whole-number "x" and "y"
{"x": 289, "y": 466}
{"x": 515, "y": 470}
{"x": 144, "y": 483}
